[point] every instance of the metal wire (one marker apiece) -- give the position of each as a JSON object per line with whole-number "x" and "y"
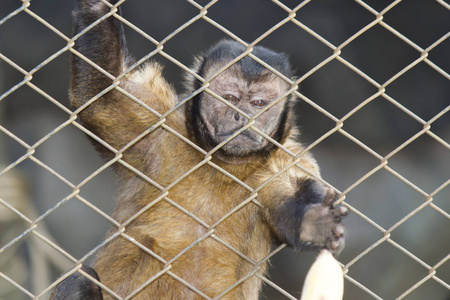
{"x": 290, "y": 17}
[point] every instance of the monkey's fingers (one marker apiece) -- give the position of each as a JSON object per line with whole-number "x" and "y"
{"x": 329, "y": 198}
{"x": 339, "y": 212}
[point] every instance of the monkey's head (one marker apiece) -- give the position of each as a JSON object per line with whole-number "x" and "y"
{"x": 248, "y": 86}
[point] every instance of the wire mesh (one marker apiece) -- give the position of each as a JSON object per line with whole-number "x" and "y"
{"x": 30, "y": 225}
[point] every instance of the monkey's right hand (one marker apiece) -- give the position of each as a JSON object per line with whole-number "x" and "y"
{"x": 78, "y": 287}
{"x": 96, "y": 8}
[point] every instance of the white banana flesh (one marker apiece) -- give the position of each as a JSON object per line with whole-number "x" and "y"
{"x": 325, "y": 279}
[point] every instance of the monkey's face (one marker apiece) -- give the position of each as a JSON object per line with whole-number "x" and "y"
{"x": 257, "y": 101}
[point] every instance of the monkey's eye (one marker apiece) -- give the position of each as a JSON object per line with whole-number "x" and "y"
{"x": 231, "y": 98}
{"x": 259, "y": 103}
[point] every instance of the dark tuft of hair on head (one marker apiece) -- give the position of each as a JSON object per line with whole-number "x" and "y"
{"x": 227, "y": 50}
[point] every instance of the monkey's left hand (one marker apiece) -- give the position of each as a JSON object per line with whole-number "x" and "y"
{"x": 321, "y": 227}
{"x": 307, "y": 219}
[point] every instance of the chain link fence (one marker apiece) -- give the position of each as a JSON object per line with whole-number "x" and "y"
{"x": 374, "y": 82}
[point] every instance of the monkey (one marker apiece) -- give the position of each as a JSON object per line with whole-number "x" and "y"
{"x": 78, "y": 287}
{"x": 205, "y": 191}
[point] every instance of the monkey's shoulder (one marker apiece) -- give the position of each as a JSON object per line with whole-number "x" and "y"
{"x": 147, "y": 83}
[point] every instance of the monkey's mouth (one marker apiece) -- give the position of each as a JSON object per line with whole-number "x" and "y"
{"x": 248, "y": 138}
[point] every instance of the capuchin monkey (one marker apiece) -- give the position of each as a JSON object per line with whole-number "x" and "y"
{"x": 197, "y": 219}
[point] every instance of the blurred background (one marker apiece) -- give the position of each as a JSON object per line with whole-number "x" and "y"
{"x": 418, "y": 173}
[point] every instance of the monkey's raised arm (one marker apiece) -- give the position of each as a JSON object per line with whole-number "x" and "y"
{"x": 114, "y": 116}
{"x": 299, "y": 207}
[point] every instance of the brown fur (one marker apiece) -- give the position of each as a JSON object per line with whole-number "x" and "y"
{"x": 206, "y": 193}
{"x": 162, "y": 231}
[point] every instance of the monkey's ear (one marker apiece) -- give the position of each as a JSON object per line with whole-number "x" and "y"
{"x": 191, "y": 83}
{"x": 198, "y": 64}
{"x": 293, "y": 98}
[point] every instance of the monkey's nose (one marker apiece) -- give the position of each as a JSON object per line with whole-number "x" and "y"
{"x": 239, "y": 119}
